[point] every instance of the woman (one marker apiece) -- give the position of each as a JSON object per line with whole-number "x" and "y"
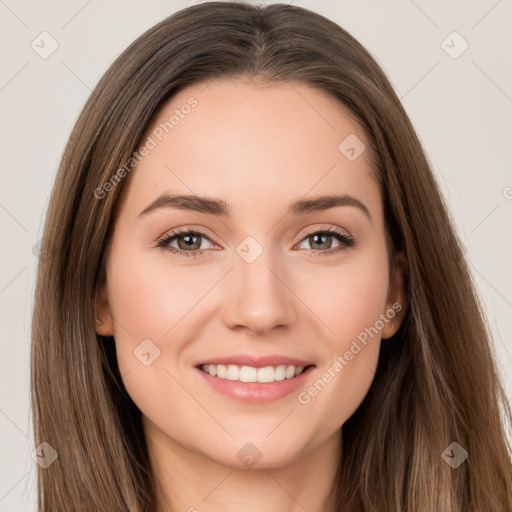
{"x": 252, "y": 295}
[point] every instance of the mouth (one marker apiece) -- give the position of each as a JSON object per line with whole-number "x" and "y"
{"x": 262, "y": 375}
{"x": 256, "y": 386}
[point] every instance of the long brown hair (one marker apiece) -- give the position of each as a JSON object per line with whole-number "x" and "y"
{"x": 437, "y": 380}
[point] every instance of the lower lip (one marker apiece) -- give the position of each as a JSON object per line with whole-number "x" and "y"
{"x": 256, "y": 392}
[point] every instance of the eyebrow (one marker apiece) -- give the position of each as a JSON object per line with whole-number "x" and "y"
{"x": 220, "y": 208}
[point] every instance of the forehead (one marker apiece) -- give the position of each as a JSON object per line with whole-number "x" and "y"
{"x": 247, "y": 142}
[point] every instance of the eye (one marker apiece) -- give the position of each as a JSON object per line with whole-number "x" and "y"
{"x": 323, "y": 239}
{"x": 189, "y": 241}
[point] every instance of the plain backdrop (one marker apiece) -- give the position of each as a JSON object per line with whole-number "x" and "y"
{"x": 459, "y": 100}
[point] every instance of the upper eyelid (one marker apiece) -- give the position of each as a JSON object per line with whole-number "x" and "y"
{"x": 332, "y": 229}
{"x": 184, "y": 231}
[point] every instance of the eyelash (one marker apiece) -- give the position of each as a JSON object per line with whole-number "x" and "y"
{"x": 347, "y": 241}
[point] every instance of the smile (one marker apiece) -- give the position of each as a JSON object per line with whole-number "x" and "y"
{"x": 229, "y": 382}
{"x": 252, "y": 374}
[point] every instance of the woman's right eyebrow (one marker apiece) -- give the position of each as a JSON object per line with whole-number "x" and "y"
{"x": 189, "y": 202}
{"x": 218, "y": 207}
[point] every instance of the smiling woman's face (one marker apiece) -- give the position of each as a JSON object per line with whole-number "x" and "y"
{"x": 255, "y": 280}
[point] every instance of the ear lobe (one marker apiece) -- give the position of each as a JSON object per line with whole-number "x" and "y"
{"x": 104, "y": 324}
{"x": 397, "y": 298}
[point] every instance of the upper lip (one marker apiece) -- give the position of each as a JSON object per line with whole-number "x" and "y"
{"x": 256, "y": 361}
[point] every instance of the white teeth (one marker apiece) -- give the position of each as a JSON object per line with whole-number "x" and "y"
{"x": 251, "y": 374}
{"x": 270, "y": 374}
{"x": 233, "y": 372}
{"x": 248, "y": 374}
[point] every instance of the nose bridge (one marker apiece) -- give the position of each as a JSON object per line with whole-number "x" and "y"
{"x": 259, "y": 298}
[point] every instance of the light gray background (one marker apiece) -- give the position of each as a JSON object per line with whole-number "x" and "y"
{"x": 461, "y": 108}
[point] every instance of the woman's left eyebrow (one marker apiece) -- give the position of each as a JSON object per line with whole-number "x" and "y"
{"x": 218, "y": 207}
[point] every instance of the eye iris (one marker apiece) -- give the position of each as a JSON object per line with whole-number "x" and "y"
{"x": 323, "y": 236}
{"x": 189, "y": 244}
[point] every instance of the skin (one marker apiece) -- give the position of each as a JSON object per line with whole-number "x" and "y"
{"x": 258, "y": 148}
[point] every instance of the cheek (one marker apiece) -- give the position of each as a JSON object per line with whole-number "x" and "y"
{"x": 357, "y": 307}
{"x": 152, "y": 307}
{"x": 348, "y": 299}
{"x": 350, "y": 305}
{"x": 149, "y": 299}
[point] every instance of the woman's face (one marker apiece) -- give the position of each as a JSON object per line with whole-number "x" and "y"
{"x": 256, "y": 277}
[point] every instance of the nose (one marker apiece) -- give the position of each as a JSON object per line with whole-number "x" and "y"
{"x": 258, "y": 297}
